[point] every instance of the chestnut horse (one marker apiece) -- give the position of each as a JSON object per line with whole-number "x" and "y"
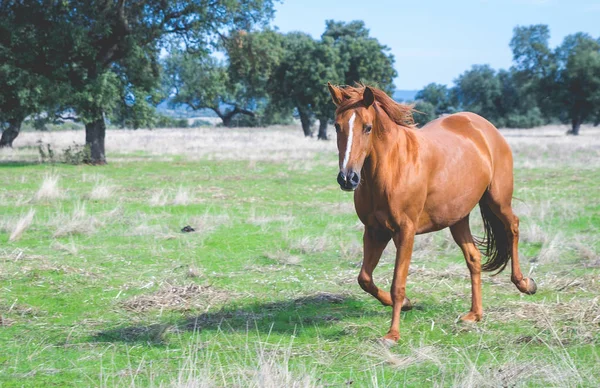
{"x": 408, "y": 181}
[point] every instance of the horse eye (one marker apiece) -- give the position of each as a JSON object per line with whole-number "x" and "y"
{"x": 368, "y": 128}
{"x": 337, "y": 128}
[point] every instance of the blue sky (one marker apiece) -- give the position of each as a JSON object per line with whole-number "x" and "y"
{"x": 435, "y": 41}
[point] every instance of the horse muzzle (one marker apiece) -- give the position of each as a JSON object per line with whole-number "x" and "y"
{"x": 348, "y": 182}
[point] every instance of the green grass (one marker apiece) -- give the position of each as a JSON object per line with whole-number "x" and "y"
{"x": 266, "y": 287}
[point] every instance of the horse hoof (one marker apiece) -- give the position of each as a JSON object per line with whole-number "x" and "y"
{"x": 471, "y": 317}
{"x": 388, "y": 342}
{"x": 531, "y": 287}
{"x": 406, "y": 305}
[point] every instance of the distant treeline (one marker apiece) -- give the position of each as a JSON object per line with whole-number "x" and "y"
{"x": 93, "y": 62}
{"x": 268, "y": 77}
{"x": 544, "y": 85}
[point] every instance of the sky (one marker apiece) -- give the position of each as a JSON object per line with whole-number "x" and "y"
{"x": 437, "y": 40}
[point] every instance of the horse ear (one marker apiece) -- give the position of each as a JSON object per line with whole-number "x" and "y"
{"x": 336, "y": 94}
{"x": 368, "y": 97}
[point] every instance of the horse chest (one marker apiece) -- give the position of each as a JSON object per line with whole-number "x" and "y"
{"x": 381, "y": 212}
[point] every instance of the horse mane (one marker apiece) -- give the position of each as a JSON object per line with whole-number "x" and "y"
{"x": 400, "y": 114}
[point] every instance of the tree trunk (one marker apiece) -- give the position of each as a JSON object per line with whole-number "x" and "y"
{"x": 228, "y": 117}
{"x": 323, "y": 128}
{"x": 227, "y": 120}
{"x": 575, "y": 125}
{"x": 305, "y": 120}
{"x": 95, "y": 132}
{"x": 10, "y": 133}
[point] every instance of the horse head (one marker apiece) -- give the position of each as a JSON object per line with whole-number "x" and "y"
{"x": 353, "y": 125}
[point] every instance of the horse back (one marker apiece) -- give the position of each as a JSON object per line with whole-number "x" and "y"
{"x": 459, "y": 130}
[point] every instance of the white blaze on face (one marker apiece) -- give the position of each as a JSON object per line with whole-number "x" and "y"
{"x": 349, "y": 145}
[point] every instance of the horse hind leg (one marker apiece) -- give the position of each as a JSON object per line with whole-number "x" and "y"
{"x": 374, "y": 243}
{"x": 461, "y": 233}
{"x": 497, "y": 203}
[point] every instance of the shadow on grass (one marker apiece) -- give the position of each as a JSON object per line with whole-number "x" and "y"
{"x": 322, "y": 309}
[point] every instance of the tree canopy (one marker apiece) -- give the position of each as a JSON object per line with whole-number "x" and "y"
{"x": 271, "y": 74}
{"x": 106, "y": 53}
{"x": 544, "y": 85}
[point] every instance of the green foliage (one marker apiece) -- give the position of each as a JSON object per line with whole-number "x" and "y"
{"x": 44, "y": 124}
{"x": 479, "y": 90}
{"x": 362, "y": 58}
{"x": 300, "y": 79}
{"x": 564, "y": 83}
{"x": 531, "y": 52}
{"x": 425, "y": 112}
{"x": 170, "y": 122}
{"x": 269, "y": 75}
{"x": 438, "y": 96}
{"x": 77, "y": 154}
{"x": 578, "y": 80}
{"x": 253, "y": 57}
{"x": 201, "y": 81}
{"x": 46, "y": 152}
{"x": 103, "y": 55}
{"x": 542, "y": 86}
{"x": 345, "y": 54}
{"x": 517, "y": 107}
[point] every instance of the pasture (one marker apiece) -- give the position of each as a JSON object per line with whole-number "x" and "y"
{"x": 99, "y": 286}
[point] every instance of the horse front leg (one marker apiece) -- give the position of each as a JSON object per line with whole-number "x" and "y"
{"x": 374, "y": 243}
{"x": 404, "y": 245}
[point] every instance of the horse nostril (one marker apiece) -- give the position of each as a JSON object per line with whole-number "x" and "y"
{"x": 341, "y": 179}
{"x": 354, "y": 178}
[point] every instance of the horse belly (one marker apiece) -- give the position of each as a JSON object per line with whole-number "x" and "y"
{"x": 446, "y": 206}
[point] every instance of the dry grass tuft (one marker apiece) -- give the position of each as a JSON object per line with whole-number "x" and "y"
{"x": 258, "y": 365}
{"x": 208, "y": 223}
{"x": 418, "y": 355}
{"x": 512, "y": 374}
{"x": 587, "y": 255}
{"x": 49, "y": 189}
{"x": 78, "y": 222}
{"x": 22, "y": 225}
{"x": 273, "y": 372}
{"x": 264, "y": 220}
{"x": 144, "y": 229}
{"x": 352, "y": 250}
{"x": 533, "y": 233}
{"x": 183, "y": 196}
{"x": 102, "y": 190}
{"x": 283, "y": 257}
{"x": 158, "y": 198}
{"x": 552, "y": 249}
{"x": 307, "y": 245}
{"x": 68, "y": 247}
{"x": 342, "y": 207}
{"x": 180, "y": 298}
{"x": 575, "y": 320}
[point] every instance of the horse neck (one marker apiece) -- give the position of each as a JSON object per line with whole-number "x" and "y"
{"x": 393, "y": 150}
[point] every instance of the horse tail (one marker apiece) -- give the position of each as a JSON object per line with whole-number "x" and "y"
{"x": 495, "y": 242}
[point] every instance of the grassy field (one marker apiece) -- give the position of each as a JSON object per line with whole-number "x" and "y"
{"x": 99, "y": 286}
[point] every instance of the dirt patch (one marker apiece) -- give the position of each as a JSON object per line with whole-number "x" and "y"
{"x": 178, "y": 298}
{"x": 5, "y": 322}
